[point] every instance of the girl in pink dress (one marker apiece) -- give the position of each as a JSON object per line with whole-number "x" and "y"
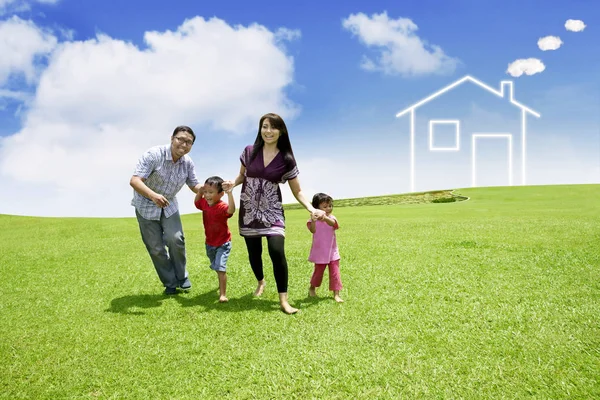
{"x": 324, "y": 250}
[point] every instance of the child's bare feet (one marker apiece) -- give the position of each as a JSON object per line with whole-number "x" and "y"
{"x": 312, "y": 291}
{"x": 336, "y": 297}
{"x": 223, "y": 299}
{"x": 260, "y": 288}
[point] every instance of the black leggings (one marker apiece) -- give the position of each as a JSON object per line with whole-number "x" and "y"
{"x": 277, "y": 253}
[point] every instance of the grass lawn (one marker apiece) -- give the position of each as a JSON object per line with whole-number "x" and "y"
{"x": 494, "y": 297}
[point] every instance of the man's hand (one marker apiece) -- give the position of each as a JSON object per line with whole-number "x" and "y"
{"x": 160, "y": 200}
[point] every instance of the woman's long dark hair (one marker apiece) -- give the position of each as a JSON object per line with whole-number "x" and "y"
{"x": 283, "y": 143}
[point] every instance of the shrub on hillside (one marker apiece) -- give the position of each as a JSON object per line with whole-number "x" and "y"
{"x": 444, "y": 200}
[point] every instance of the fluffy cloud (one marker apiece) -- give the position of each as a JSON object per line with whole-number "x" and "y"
{"x": 22, "y": 43}
{"x": 401, "y": 51}
{"x": 549, "y": 43}
{"x": 575, "y": 25}
{"x": 100, "y": 103}
{"x": 529, "y": 66}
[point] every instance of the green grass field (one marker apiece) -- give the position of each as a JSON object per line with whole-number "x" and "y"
{"x": 494, "y": 297}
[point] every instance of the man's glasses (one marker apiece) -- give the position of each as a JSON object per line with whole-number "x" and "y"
{"x": 184, "y": 141}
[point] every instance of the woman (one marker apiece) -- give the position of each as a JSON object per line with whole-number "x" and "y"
{"x": 266, "y": 164}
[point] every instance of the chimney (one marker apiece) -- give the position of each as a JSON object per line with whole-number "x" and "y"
{"x": 506, "y": 88}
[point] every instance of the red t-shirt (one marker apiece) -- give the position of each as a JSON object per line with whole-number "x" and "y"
{"x": 215, "y": 222}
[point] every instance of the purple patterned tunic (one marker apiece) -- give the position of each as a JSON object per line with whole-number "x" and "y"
{"x": 261, "y": 211}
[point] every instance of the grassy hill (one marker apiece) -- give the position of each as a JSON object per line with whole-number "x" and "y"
{"x": 495, "y": 297}
{"x": 436, "y": 196}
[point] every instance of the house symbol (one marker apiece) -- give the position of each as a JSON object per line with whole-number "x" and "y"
{"x": 506, "y": 92}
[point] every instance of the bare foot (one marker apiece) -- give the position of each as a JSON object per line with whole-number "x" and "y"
{"x": 312, "y": 292}
{"x": 223, "y": 299}
{"x": 260, "y": 288}
{"x": 286, "y": 308}
{"x": 338, "y": 298}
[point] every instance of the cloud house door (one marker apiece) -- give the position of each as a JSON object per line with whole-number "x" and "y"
{"x": 491, "y": 159}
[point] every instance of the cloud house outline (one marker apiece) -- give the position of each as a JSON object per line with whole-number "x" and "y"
{"x": 505, "y": 92}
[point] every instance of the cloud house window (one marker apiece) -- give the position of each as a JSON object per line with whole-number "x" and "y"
{"x": 444, "y": 135}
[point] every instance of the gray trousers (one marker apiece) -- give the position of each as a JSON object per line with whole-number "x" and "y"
{"x": 158, "y": 236}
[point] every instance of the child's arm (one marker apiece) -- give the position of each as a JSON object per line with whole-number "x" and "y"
{"x": 230, "y": 202}
{"x": 199, "y": 195}
{"x": 229, "y": 185}
{"x": 331, "y": 221}
{"x": 312, "y": 225}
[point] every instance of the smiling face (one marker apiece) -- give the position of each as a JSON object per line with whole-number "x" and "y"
{"x": 212, "y": 194}
{"x": 269, "y": 134}
{"x": 326, "y": 206}
{"x": 181, "y": 144}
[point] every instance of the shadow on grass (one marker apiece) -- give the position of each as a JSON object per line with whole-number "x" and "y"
{"x": 134, "y": 304}
{"x": 308, "y": 301}
{"x": 131, "y": 304}
{"x": 210, "y": 301}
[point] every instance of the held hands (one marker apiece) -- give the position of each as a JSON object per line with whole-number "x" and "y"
{"x": 317, "y": 214}
{"x": 227, "y": 186}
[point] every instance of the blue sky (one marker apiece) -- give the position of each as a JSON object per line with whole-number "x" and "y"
{"x": 86, "y": 87}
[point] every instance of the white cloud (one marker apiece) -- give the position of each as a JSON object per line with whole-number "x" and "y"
{"x": 401, "y": 51}
{"x": 14, "y": 95}
{"x": 575, "y": 25}
{"x": 102, "y": 102}
{"x": 287, "y": 34}
{"x": 529, "y": 66}
{"x": 21, "y": 45}
{"x": 13, "y": 6}
{"x": 549, "y": 43}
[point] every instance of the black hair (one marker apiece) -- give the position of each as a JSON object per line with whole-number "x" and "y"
{"x": 321, "y": 198}
{"x": 183, "y": 128}
{"x": 283, "y": 143}
{"x": 216, "y": 181}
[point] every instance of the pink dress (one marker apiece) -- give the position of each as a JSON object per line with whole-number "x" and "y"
{"x": 324, "y": 252}
{"x": 324, "y": 245}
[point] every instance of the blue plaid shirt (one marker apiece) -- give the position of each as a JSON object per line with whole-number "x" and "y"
{"x": 163, "y": 176}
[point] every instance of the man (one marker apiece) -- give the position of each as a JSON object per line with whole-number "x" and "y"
{"x": 159, "y": 175}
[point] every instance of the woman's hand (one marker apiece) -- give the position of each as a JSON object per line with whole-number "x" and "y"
{"x": 317, "y": 214}
{"x": 228, "y": 185}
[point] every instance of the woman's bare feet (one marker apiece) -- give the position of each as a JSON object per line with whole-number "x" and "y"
{"x": 223, "y": 299}
{"x": 260, "y": 288}
{"x": 285, "y": 306}
{"x": 336, "y": 297}
{"x": 312, "y": 291}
